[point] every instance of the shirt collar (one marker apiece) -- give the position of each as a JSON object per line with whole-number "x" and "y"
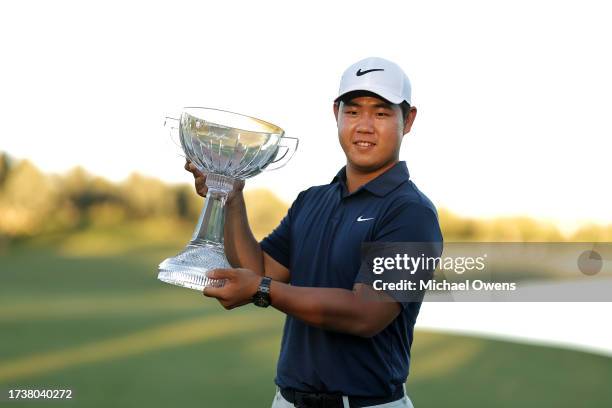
{"x": 381, "y": 185}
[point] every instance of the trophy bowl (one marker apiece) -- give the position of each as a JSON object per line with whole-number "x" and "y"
{"x": 226, "y": 146}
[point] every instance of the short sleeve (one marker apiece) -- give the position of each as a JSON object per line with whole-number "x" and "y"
{"x": 410, "y": 222}
{"x": 413, "y": 229}
{"x": 278, "y": 243}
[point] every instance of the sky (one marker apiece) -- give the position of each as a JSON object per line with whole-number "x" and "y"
{"x": 513, "y": 97}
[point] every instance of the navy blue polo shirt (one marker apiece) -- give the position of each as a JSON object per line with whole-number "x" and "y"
{"x": 319, "y": 241}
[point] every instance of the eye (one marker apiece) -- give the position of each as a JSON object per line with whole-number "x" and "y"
{"x": 351, "y": 112}
{"x": 382, "y": 114}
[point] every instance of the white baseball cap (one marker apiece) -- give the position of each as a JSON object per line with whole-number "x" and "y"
{"x": 377, "y": 75}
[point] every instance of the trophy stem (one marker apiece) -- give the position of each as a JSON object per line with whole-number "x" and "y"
{"x": 209, "y": 230}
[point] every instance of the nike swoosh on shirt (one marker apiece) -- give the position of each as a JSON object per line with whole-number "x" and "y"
{"x": 359, "y": 219}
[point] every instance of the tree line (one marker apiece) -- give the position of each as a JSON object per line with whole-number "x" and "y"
{"x": 33, "y": 202}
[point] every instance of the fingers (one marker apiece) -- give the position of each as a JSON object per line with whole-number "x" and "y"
{"x": 221, "y": 273}
{"x": 218, "y": 292}
{"x": 200, "y": 185}
{"x": 192, "y": 168}
{"x": 232, "y": 294}
{"x": 200, "y": 178}
{"x": 211, "y": 291}
{"x": 221, "y": 294}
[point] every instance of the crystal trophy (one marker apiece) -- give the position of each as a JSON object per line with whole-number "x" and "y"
{"x": 226, "y": 146}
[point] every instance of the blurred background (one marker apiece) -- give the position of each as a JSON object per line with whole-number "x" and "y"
{"x": 511, "y": 142}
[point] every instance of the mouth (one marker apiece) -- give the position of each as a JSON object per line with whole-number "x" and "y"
{"x": 364, "y": 143}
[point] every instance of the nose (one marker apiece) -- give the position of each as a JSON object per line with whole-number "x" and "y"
{"x": 365, "y": 124}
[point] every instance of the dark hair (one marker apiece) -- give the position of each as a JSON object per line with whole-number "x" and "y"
{"x": 404, "y": 106}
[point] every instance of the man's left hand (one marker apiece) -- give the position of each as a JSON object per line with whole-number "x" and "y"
{"x": 239, "y": 289}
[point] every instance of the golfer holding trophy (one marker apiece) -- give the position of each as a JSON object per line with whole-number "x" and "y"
{"x": 339, "y": 348}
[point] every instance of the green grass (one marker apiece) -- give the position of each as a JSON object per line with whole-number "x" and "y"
{"x": 89, "y": 315}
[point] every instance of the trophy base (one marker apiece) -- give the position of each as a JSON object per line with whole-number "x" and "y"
{"x": 188, "y": 269}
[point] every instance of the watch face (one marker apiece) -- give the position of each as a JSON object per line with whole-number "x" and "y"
{"x": 262, "y": 297}
{"x": 260, "y": 300}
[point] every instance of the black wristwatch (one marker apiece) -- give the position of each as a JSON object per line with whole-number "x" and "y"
{"x": 262, "y": 296}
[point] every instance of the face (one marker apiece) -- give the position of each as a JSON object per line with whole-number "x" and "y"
{"x": 370, "y": 131}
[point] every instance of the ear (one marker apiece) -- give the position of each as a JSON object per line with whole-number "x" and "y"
{"x": 336, "y": 110}
{"x": 410, "y": 119}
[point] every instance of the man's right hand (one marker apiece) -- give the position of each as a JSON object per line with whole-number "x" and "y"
{"x": 241, "y": 247}
{"x": 200, "y": 182}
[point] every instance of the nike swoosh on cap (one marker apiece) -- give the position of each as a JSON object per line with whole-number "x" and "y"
{"x": 360, "y": 72}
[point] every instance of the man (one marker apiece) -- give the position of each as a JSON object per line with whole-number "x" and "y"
{"x": 339, "y": 347}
